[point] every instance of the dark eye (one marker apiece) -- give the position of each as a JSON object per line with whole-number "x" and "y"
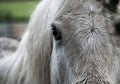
{"x": 117, "y": 26}
{"x": 56, "y": 33}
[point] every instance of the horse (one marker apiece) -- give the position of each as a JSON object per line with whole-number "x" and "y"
{"x": 67, "y": 42}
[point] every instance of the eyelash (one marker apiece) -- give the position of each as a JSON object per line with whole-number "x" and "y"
{"x": 56, "y": 33}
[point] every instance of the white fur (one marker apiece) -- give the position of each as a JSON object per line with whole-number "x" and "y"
{"x": 30, "y": 64}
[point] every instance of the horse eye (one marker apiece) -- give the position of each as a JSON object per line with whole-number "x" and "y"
{"x": 56, "y": 33}
{"x": 117, "y": 26}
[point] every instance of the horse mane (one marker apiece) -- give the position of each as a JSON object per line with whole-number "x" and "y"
{"x": 30, "y": 64}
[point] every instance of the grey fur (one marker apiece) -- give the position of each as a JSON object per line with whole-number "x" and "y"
{"x": 88, "y": 52}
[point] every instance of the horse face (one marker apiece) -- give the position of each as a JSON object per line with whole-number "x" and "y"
{"x": 82, "y": 45}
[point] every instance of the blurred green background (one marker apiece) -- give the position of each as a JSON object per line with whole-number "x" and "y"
{"x": 17, "y": 9}
{"x": 14, "y": 16}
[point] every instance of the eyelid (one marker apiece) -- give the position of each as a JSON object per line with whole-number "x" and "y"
{"x": 54, "y": 27}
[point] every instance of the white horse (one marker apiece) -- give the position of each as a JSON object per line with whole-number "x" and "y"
{"x": 67, "y": 42}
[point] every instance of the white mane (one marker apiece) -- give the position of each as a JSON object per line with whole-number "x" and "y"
{"x": 28, "y": 63}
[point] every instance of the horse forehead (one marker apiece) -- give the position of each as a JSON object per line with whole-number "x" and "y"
{"x": 88, "y": 7}
{"x": 85, "y": 12}
{"x": 83, "y": 16}
{"x": 92, "y": 5}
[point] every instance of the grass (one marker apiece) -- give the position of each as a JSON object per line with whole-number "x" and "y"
{"x": 19, "y": 9}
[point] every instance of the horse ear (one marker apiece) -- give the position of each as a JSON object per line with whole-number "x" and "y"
{"x": 112, "y": 5}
